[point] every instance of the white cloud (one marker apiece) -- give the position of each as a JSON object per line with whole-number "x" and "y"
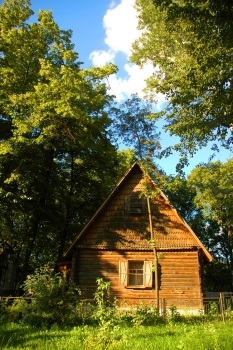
{"x": 100, "y": 58}
{"x": 133, "y": 82}
{"x": 120, "y": 26}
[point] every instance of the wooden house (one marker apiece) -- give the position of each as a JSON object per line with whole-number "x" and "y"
{"x": 116, "y": 245}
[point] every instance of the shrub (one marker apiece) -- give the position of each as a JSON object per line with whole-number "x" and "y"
{"x": 52, "y": 300}
{"x": 173, "y": 315}
{"x": 105, "y": 307}
{"x": 105, "y": 313}
{"x": 146, "y": 315}
{"x": 213, "y": 311}
{"x": 13, "y": 309}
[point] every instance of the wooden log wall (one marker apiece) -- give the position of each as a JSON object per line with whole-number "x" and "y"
{"x": 179, "y": 274}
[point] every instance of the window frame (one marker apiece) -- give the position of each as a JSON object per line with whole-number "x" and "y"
{"x": 135, "y": 204}
{"x": 134, "y": 274}
{"x": 124, "y": 267}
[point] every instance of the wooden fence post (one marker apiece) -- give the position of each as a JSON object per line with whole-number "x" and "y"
{"x": 222, "y": 306}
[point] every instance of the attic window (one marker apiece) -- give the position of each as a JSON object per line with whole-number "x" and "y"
{"x": 135, "y": 204}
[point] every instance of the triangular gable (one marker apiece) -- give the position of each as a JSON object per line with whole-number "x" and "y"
{"x": 99, "y": 210}
{"x": 110, "y": 229}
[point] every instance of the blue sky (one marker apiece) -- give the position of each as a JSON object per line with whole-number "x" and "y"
{"x": 103, "y": 31}
{"x": 84, "y": 18}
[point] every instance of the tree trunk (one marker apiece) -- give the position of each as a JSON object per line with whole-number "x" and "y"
{"x": 155, "y": 255}
{"x": 29, "y": 249}
{"x": 65, "y": 230}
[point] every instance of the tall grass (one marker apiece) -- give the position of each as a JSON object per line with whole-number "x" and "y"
{"x": 210, "y": 335}
{"x": 55, "y": 320}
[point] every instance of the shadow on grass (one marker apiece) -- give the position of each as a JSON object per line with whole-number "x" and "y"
{"x": 18, "y": 335}
{"x": 154, "y": 332}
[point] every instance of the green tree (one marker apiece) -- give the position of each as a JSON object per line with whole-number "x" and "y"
{"x": 125, "y": 158}
{"x": 190, "y": 45}
{"x": 135, "y": 129}
{"x": 182, "y": 195}
{"x": 213, "y": 195}
{"x": 54, "y": 137}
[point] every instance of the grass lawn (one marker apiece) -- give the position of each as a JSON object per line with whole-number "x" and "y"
{"x": 214, "y": 335}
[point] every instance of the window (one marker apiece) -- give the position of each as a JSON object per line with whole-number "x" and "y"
{"x": 135, "y": 273}
{"x": 135, "y": 203}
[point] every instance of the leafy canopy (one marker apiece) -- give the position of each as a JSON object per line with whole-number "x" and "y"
{"x": 213, "y": 188}
{"x": 54, "y": 137}
{"x": 190, "y": 45}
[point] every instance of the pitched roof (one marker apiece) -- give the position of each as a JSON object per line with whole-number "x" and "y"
{"x": 111, "y": 229}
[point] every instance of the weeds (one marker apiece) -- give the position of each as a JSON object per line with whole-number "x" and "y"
{"x": 103, "y": 324}
{"x": 104, "y": 314}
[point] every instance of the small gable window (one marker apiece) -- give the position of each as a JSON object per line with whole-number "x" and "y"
{"x": 135, "y": 274}
{"x": 135, "y": 204}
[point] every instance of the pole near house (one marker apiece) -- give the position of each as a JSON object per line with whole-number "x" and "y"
{"x": 155, "y": 254}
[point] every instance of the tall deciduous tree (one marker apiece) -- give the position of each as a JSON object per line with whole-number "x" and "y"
{"x": 190, "y": 45}
{"x": 135, "y": 129}
{"x": 214, "y": 190}
{"x": 182, "y": 195}
{"x": 54, "y": 136}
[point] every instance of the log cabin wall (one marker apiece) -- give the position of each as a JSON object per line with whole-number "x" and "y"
{"x": 178, "y": 274}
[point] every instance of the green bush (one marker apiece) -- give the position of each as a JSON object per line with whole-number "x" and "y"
{"x": 213, "y": 311}
{"x": 13, "y": 309}
{"x": 52, "y": 299}
{"x": 104, "y": 314}
{"x": 173, "y": 315}
{"x": 145, "y": 315}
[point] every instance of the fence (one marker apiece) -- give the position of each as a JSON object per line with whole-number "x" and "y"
{"x": 219, "y": 302}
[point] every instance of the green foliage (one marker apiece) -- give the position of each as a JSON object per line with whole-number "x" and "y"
{"x": 104, "y": 313}
{"x": 213, "y": 195}
{"x": 125, "y": 157}
{"x": 213, "y": 190}
{"x": 54, "y": 137}
{"x": 173, "y": 315}
{"x": 190, "y": 46}
{"x": 52, "y": 300}
{"x": 133, "y": 124}
{"x": 105, "y": 307}
{"x": 213, "y": 310}
{"x": 199, "y": 199}
{"x": 144, "y": 315}
{"x": 115, "y": 327}
{"x": 17, "y": 309}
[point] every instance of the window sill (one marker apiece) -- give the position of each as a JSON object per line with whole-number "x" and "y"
{"x": 137, "y": 287}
